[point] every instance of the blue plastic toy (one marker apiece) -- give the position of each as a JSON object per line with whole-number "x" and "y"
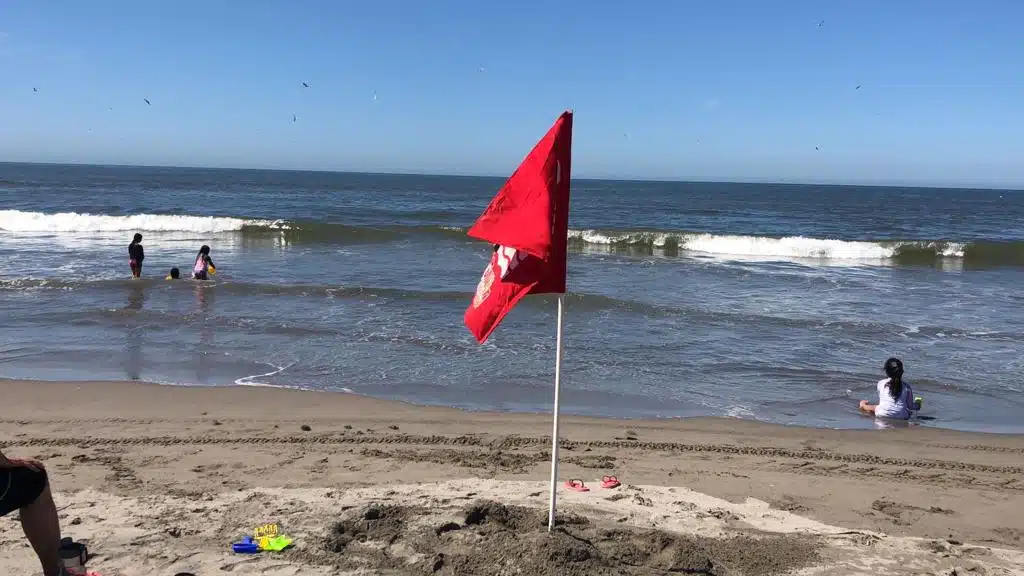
{"x": 246, "y": 546}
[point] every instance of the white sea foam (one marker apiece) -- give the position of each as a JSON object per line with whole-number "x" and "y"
{"x": 739, "y": 411}
{"x": 17, "y": 221}
{"x": 251, "y": 379}
{"x": 38, "y": 222}
{"x": 761, "y": 246}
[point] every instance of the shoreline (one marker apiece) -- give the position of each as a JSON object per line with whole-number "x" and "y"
{"x": 131, "y": 461}
{"x": 309, "y": 404}
{"x": 867, "y": 428}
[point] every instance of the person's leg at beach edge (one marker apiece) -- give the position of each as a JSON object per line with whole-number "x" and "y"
{"x": 39, "y": 521}
{"x": 26, "y": 488}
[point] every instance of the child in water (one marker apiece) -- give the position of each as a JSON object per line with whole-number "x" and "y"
{"x": 136, "y": 255}
{"x": 203, "y": 265}
{"x": 174, "y": 275}
{"x": 895, "y": 397}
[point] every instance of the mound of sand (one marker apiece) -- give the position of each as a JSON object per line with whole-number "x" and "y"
{"x": 493, "y": 538}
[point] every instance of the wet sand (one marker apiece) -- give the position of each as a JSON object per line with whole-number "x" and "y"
{"x": 161, "y": 479}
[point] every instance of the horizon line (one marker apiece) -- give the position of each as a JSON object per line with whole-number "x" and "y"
{"x": 655, "y": 179}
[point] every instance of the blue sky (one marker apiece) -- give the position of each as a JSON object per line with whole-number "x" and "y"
{"x": 687, "y": 89}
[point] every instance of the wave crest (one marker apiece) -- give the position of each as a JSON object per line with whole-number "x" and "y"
{"x": 19, "y": 221}
{"x": 974, "y": 254}
{"x": 763, "y": 246}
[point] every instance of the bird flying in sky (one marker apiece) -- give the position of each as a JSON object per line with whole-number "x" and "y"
{"x": 146, "y": 100}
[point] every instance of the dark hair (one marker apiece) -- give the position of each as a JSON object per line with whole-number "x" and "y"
{"x": 894, "y": 370}
{"x": 174, "y": 273}
{"x": 205, "y": 249}
{"x": 138, "y": 237}
{"x": 496, "y": 246}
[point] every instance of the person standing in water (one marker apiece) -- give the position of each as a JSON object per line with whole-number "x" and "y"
{"x": 203, "y": 265}
{"x": 895, "y": 397}
{"x": 136, "y": 255}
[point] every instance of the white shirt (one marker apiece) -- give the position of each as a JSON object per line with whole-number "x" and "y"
{"x": 899, "y": 408}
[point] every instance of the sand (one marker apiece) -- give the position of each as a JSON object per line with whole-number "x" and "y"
{"x": 161, "y": 479}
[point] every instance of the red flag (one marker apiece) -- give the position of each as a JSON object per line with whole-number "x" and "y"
{"x": 528, "y": 222}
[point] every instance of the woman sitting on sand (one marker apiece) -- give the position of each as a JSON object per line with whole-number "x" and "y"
{"x": 895, "y": 397}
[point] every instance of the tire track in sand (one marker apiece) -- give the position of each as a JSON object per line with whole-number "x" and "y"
{"x": 512, "y": 442}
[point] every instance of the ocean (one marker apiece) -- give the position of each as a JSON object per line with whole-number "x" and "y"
{"x": 773, "y": 302}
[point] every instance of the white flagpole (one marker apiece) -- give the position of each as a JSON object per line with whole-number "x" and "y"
{"x": 554, "y": 431}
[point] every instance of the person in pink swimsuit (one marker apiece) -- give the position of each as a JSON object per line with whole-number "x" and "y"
{"x": 201, "y": 268}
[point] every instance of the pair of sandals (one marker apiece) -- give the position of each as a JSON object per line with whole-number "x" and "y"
{"x": 607, "y": 482}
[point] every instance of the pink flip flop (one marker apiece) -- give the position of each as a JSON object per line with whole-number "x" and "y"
{"x": 610, "y": 482}
{"x": 577, "y": 485}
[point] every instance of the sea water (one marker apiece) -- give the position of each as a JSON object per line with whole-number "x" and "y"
{"x": 764, "y": 301}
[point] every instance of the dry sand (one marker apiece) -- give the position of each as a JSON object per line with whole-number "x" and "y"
{"x": 160, "y": 480}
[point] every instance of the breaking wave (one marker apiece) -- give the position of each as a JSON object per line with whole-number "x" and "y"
{"x": 972, "y": 254}
{"x": 39, "y": 222}
{"x": 789, "y": 246}
{"x": 975, "y": 254}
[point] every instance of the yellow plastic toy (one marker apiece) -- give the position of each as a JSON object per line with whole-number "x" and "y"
{"x": 266, "y": 531}
{"x": 269, "y": 538}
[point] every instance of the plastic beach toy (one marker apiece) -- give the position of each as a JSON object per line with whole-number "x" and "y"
{"x": 245, "y": 546}
{"x": 266, "y": 531}
{"x": 275, "y": 543}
